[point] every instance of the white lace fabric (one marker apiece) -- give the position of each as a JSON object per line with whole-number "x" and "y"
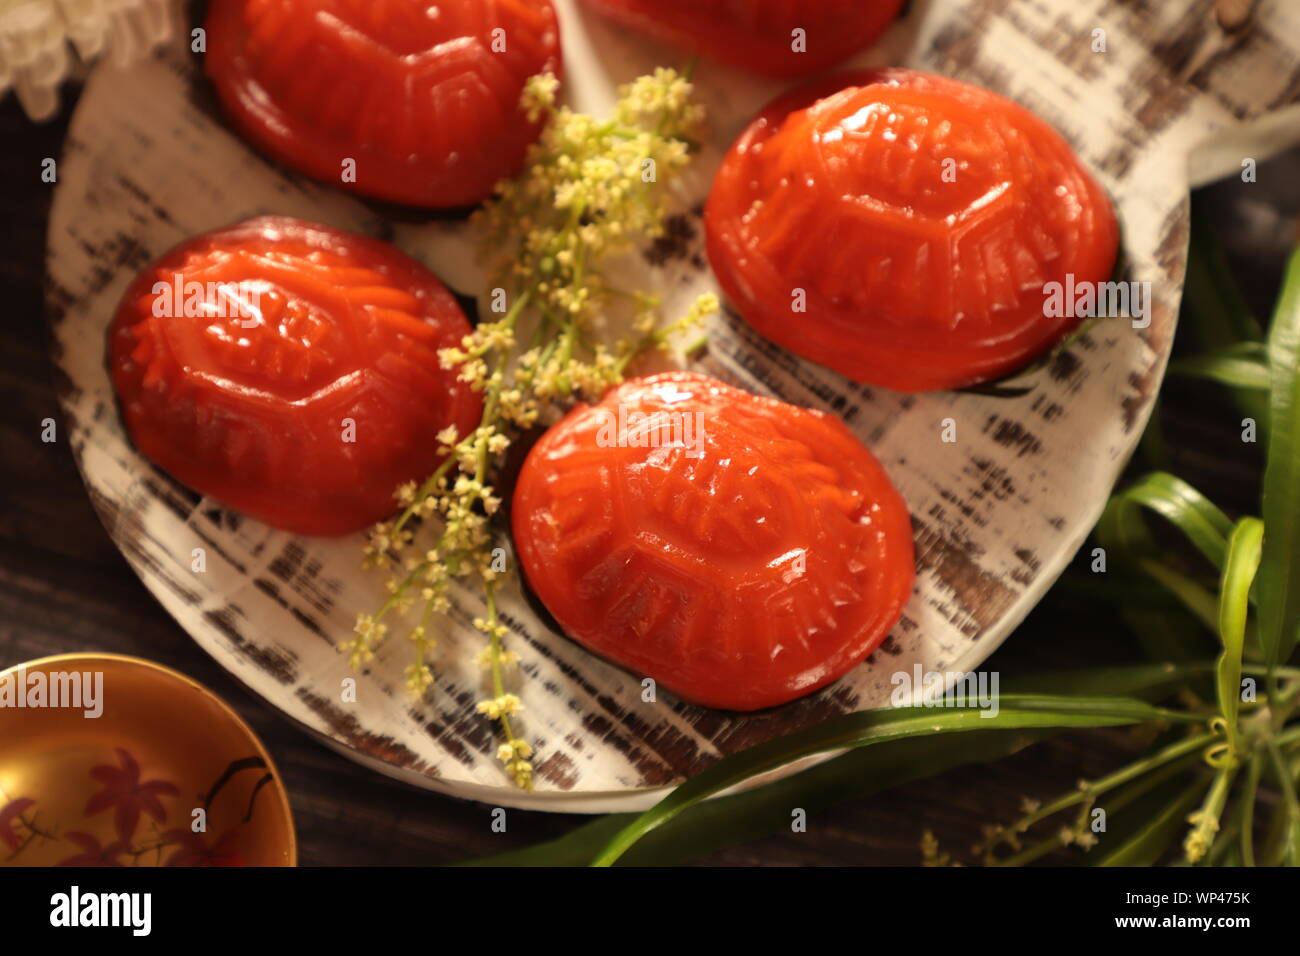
{"x": 41, "y": 40}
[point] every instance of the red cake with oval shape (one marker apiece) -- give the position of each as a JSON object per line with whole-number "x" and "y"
{"x": 739, "y": 550}
{"x": 901, "y": 228}
{"x": 290, "y": 371}
{"x": 409, "y": 101}
{"x": 782, "y": 38}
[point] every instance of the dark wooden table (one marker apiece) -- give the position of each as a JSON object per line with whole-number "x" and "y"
{"x": 64, "y": 587}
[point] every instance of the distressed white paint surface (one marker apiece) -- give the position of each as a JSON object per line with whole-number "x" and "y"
{"x": 997, "y": 514}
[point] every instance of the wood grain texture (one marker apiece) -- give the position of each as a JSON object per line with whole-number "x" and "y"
{"x": 996, "y": 515}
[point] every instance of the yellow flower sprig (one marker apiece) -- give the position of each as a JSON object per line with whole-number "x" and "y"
{"x": 591, "y": 190}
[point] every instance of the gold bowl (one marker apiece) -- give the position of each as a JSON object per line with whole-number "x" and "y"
{"x": 107, "y": 760}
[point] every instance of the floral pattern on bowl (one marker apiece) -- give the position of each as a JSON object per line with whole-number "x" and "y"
{"x": 167, "y": 775}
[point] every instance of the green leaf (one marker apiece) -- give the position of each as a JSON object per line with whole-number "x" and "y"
{"x": 1216, "y": 313}
{"x": 1206, "y": 821}
{"x": 1144, "y": 681}
{"x": 876, "y": 726}
{"x": 1151, "y": 841}
{"x": 731, "y": 820}
{"x": 1246, "y": 802}
{"x": 1234, "y": 607}
{"x": 1195, "y": 598}
{"x": 1279, "y": 576}
{"x": 1227, "y": 368}
{"x": 1143, "y": 797}
{"x": 1150, "y": 790}
{"x": 1124, "y": 535}
{"x": 1121, "y": 527}
{"x": 575, "y": 848}
{"x": 727, "y": 821}
{"x": 1283, "y": 840}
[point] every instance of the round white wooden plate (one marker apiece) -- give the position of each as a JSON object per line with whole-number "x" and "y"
{"x": 997, "y": 513}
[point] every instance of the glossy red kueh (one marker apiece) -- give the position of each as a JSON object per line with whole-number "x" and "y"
{"x": 901, "y": 228}
{"x": 783, "y": 38}
{"x": 739, "y": 550}
{"x": 402, "y": 100}
{"x": 290, "y": 371}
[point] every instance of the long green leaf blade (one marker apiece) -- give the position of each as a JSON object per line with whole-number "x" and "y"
{"x": 1152, "y": 840}
{"x": 727, "y": 821}
{"x": 1215, "y": 311}
{"x": 1145, "y": 681}
{"x": 1233, "y": 370}
{"x": 1279, "y": 576}
{"x": 731, "y": 820}
{"x": 1234, "y": 607}
{"x": 1203, "y": 605}
{"x": 876, "y": 726}
{"x": 1204, "y": 524}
